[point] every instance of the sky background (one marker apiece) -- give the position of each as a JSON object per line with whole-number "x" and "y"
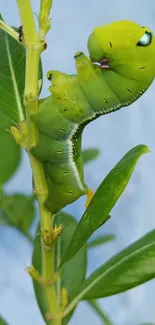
{"x": 114, "y": 134}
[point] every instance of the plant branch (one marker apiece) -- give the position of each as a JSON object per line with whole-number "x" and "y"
{"x": 9, "y": 30}
{"x": 34, "y": 46}
{"x": 28, "y": 24}
{"x": 44, "y": 20}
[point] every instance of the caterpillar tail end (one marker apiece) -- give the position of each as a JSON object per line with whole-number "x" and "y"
{"x": 90, "y": 195}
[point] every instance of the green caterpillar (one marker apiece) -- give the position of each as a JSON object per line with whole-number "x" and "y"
{"x": 120, "y": 69}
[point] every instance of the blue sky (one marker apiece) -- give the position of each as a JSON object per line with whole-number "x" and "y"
{"x": 114, "y": 134}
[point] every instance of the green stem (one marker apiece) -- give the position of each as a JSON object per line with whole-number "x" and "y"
{"x": 34, "y": 46}
{"x": 9, "y": 30}
{"x": 26, "y": 15}
{"x": 44, "y": 21}
{"x": 99, "y": 311}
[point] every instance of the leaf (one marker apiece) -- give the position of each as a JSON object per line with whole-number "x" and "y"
{"x": 2, "y": 321}
{"x": 100, "y": 240}
{"x": 128, "y": 269}
{"x": 12, "y": 77}
{"x": 99, "y": 312}
{"x": 103, "y": 201}
{"x": 10, "y": 152}
{"x": 90, "y": 154}
{"x": 70, "y": 278}
{"x": 18, "y": 211}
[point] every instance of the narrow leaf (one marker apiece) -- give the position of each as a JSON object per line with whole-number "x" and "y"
{"x": 104, "y": 200}
{"x": 100, "y": 240}
{"x": 90, "y": 154}
{"x": 12, "y": 77}
{"x": 10, "y": 152}
{"x": 131, "y": 267}
{"x": 128, "y": 269}
{"x": 71, "y": 280}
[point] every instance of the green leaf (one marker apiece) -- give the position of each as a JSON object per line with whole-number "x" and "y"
{"x": 128, "y": 269}
{"x": 18, "y": 211}
{"x": 70, "y": 278}
{"x": 2, "y": 321}
{"x": 100, "y": 240}
{"x": 90, "y": 154}
{"x": 10, "y": 152}
{"x": 12, "y": 77}
{"x": 103, "y": 201}
{"x": 99, "y": 312}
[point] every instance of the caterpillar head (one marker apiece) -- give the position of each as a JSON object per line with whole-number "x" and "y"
{"x": 126, "y": 48}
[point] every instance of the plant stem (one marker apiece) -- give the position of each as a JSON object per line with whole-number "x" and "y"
{"x": 34, "y": 46}
{"x": 9, "y": 30}
{"x": 44, "y": 21}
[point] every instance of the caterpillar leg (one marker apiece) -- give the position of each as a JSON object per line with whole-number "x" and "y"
{"x": 90, "y": 195}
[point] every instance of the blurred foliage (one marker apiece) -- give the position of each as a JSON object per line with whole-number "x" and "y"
{"x": 17, "y": 210}
{"x": 2, "y": 321}
{"x": 100, "y": 240}
{"x": 10, "y": 152}
{"x": 94, "y": 304}
{"x": 90, "y": 154}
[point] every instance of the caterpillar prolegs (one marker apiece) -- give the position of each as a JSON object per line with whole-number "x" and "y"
{"x": 120, "y": 69}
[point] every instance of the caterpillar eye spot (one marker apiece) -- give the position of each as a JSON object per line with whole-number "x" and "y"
{"x": 110, "y": 44}
{"x": 105, "y": 100}
{"x": 129, "y": 90}
{"x": 145, "y": 40}
{"x": 65, "y": 109}
{"x": 142, "y": 68}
